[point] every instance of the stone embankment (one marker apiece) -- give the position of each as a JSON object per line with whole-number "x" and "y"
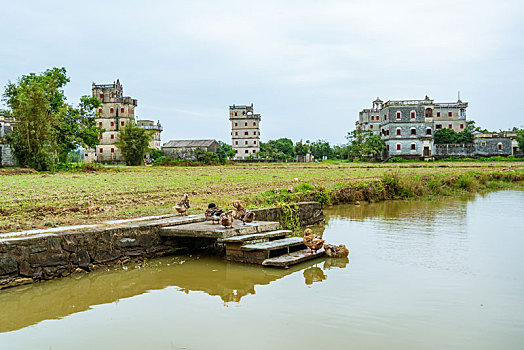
{"x": 30, "y": 256}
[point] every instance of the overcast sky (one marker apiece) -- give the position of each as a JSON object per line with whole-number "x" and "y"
{"x": 308, "y": 66}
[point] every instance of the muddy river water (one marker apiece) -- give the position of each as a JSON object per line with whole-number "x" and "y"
{"x": 421, "y": 275}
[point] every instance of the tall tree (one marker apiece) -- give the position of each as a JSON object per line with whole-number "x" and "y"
{"x": 301, "y": 148}
{"x": 47, "y": 128}
{"x": 134, "y": 143}
{"x": 321, "y": 149}
{"x": 373, "y": 145}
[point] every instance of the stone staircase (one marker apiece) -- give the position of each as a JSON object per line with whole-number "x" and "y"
{"x": 260, "y": 242}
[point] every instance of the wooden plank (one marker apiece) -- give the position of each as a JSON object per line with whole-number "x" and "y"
{"x": 293, "y": 258}
{"x": 255, "y": 236}
{"x": 271, "y": 245}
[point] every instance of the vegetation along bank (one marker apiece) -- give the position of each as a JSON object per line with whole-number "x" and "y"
{"x": 43, "y": 200}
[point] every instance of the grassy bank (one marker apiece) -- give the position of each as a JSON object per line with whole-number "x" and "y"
{"x": 34, "y": 200}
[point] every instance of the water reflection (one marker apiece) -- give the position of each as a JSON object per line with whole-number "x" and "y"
{"x": 27, "y": 305}
{"x": 331, "y": 263}
{"x": 314, "y": 274}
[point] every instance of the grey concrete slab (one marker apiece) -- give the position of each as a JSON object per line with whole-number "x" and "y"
{"x": 293, "y": 258}
{"x": 255, "y": 236}
{"x": 272, "y": 245}
{"x": 206, "y": 229}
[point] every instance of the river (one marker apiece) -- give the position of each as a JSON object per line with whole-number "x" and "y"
{"x": 443, "y": 274}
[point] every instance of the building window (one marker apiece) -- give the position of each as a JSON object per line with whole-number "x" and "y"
{"x": 450, "y": 114}
{"x": 112, "y": 136}
{"x": 462, "y": 126}
{"x": 398, "y": 146}
{"x": 412, "y": 115}
{"x": 100, "y": 110}
{"x": 111, "y": 110}
{"x": 235, "y": 114}
{"x": 236, "y": 133}
{"x": 372, "y": 118}
{"x": 101, "y": 150}
{"x": 236, "y": 151}
{"x": 499, "y": 146}
{"x": 246, "y": 151}
{"x": 398, "y": 131}
{"x": 121, "y": 110}
{"x": 255, "y": 142}
{"x": 450, "y": 126}
{"x": 387, "y": 131}
{"x": 413, "y": 147}
{"x": 112, "y": 123}
{"x": 413, "y": 131}
{"x": 438, "y": 126}
{"x": 99, "y": 123}
{"x": 428, "y": 131}
{"x": 371, "y": 126}
{"x": 254, "y": 151}
{"x": 243, "y": 112}
{"x": 236, "y": 142}
{"x": 100, "y": 136}
{"x": 245, "y": 124}
{"x": 387, "y": 148}
{"x": 254, "y": 124}
{"x": 101, "y": 96}
{"x": 438, "y": 114}
{"x": 236, "y": 124}
{"x": 398, "y": 115}
{"x": 246, "y": 133}
{"x": 254, "y": 132}
{"x": 245, "y": 142}
{"x": 112, "y": 150}
{"x": 385, "y": 118}
{"x": 122, "y": 123}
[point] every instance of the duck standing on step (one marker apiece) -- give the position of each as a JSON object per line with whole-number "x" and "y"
{"x": 213, "y": 213}
{"x": 227, "y": 219}
{"x": 183, "y": 205}
{"x": 312, "y": 241}
{"x": 336, "y": 251}
{"x": 242, "y": 213}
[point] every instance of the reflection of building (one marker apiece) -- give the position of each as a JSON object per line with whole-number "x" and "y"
{"x": 213, "y": 276}
{"x": 116, "y": 111}
{"x": 185, "y": 149}
{"x": 6, "y": 124}
{"x": 156, "y": 128}
{"x": 245, "y": 130}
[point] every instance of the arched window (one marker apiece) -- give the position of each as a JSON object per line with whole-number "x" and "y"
{"x": 412, "y": 114}
{"x": 398, "y": 146}
{"x": 413, "y": 131}
{"x": 398, "y": 131}
{"x": 398, "y": 115}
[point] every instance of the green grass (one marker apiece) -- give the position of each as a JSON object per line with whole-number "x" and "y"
{"x": 36, "y": 200}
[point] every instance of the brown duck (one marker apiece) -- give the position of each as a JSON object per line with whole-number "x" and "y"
{"x": 227, "y": 219}
{"x": 183, "y": 205}
{"x": 334, "y": 251}
{"x": 312, "y": 241}
{"x": 242, "y": 213}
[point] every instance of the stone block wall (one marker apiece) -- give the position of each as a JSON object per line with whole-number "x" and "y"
{"x": 26, "y": 259}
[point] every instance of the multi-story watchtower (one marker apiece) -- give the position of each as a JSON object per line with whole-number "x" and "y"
{"x": 245, "y": 130}
{"x": 116, "y": 111}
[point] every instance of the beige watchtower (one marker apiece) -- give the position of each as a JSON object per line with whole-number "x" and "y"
{"x": 116, "y": 111}
{"x": 245, "y": 130}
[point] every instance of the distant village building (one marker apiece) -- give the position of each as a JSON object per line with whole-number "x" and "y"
{"x": 408, "y": 126}
{"x": 186, "y": 149}
{"x": 115, "y": 113}
{"x": 156, "y": 128}
{"x": 6, "y": 125}
{"x": 245, "y": 130}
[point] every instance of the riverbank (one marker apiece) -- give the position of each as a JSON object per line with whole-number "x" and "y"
{"x": 36, "y": 201}
{"x": 30, "y": 256}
